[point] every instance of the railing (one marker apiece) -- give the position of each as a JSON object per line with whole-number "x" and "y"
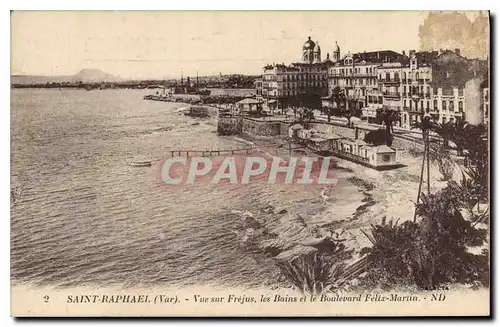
{"x": 393, "y": 80}
{"x": 391, "y": 95}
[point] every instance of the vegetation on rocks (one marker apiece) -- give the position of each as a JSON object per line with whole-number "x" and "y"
{"x": 429, "y": 252}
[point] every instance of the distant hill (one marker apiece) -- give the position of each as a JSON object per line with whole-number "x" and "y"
{"x": 84, "y": 76}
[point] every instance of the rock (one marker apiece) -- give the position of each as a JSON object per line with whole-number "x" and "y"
{"x": 295, "y": 252}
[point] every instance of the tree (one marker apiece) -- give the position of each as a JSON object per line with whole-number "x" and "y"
{"x": 388, "y": 117}
{"x": 338, "y": 98}
{"x": 379, "y": 137}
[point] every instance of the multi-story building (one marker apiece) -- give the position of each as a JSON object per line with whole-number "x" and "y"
{"x": 415, "y": 87}
{"x": 456, "y": 88}
{"x": 283, "y": 85}
{"x": 440, "y": 83}
{"x": 443, "y": 84}
{"x": 357, "y": 75}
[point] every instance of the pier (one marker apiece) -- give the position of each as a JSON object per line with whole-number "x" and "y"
{"x": 210, "y": 152}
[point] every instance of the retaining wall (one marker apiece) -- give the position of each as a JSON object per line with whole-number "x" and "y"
{"x": 235, "y": 125}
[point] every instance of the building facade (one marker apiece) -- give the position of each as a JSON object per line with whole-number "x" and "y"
{"x": 442, "y": 83}
{"x": 282, "y": 86}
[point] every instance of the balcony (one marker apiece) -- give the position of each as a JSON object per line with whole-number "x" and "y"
{"x": 393, "y": 95}
{"x": 415, "y": 111}
{"x": 391, "y": 81}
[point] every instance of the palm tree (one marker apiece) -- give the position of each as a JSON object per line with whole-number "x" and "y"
{"x": 388, "y": 117}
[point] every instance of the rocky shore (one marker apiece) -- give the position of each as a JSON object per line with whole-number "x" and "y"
{"x": 337, "y": 215}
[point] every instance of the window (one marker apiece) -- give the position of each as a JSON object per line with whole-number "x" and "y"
{"x": 427, "y": 105}
{"x": 416, "y": 75}
{"x": 404, "y": 76}
{"x": 404, "y": 89}
{"x": 444, "y": 105}
{"x": 404, "y": 103}
{"x": 386, "y": 157}
{"x": 451, "y": 105}
{"x": 396, "y": 76}
{"x": 435, "y": 105}
{"x": 387, "y": 76}
{"x": 460, "y": 106}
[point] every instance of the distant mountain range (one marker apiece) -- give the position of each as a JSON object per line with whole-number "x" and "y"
{"x": 84, "y": 76}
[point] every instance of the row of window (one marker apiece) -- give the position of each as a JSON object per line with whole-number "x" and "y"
{"x": 355, "y": 70}
{"x": 445, "y": 105}
{"x": 303, "y": 85}
{"x": 413, "y": 118}
{"x": 409, "y": 76}
{"x": 350, "y": 82}
{"x": 286, "y": 78}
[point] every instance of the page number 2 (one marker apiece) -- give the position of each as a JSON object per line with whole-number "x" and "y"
{"x": 46, "y": 299}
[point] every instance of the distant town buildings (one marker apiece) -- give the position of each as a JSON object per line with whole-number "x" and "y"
{"x": 441, "y": 83}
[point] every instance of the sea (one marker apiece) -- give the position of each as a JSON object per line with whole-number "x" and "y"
{"x": 86, "y": 216}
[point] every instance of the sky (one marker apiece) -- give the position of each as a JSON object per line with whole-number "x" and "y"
{"x": 146, "y": 44}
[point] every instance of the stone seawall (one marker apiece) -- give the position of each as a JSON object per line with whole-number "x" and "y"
{"x": 256, "y": 127}
{"x": 237, "y": 125}
{"x": 229, "y": 125}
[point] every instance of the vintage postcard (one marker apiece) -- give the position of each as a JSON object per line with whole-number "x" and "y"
{"x": 250, "y": 163}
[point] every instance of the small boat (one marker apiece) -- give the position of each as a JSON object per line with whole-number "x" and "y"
{"x": 141, "y": 164}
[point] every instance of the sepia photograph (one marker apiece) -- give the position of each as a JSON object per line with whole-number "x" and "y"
{"x": 250, "y": 163}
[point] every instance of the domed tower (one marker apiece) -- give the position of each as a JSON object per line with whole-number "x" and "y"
{"x": 308, "y": 51}
{"x": 336, "y": 53}
{"x": 317, "y": 53}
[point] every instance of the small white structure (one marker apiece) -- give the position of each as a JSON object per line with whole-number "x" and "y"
{"x": 318, "y": 144}
{"x": 379, "y": 156}
{"x": 293, "y": 131}
{"x": 248, "y": 105}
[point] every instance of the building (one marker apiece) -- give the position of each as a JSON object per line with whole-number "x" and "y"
{"x": 247, "y": 106}
{"x": 357, "y": 75}
{"x": 410, "y": 91}
{"x": 298, "y": 84}
{"x": 456, "y": 88}
{"x": 441, "y": 83}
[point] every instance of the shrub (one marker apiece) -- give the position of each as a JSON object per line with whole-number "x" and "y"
{"x": 393, "y": 253}
{"x": 444, "y": 162}
{"x": 430, "y": 252}
{"x": 312, "y": 273}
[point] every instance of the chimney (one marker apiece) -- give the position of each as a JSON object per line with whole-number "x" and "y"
{"x": 411, "y": 53}
{"x": 404, "y": 53}
{"x": 457, "y": 51}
